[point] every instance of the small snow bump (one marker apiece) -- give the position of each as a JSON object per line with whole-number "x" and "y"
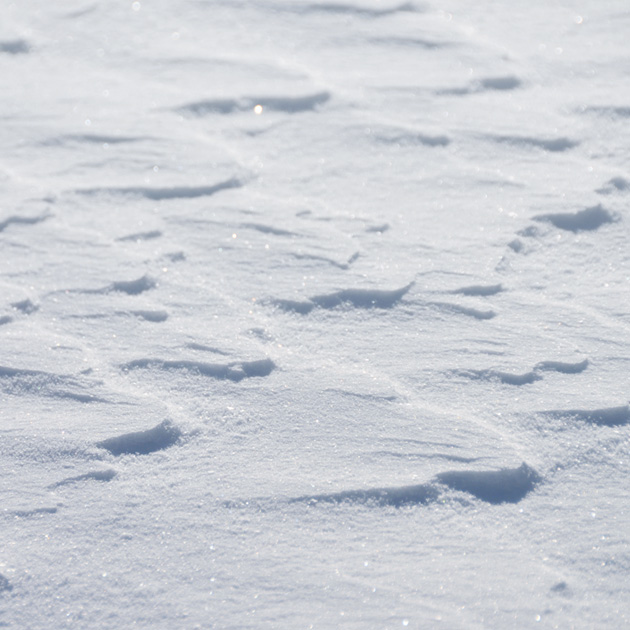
{"x": 480, "y": 290}
{"x": 508, "y": 485}
{"x": 608, "y": 417}
{"x": 588, "y": 219}
{"x": 143, "y": 442}
{"x": 96, "y": 475}
{"x": 141, "y": 236}
{"x": 134, "y": 287}
{"x": 285, "y": 104}
{"x": 464, "y": 310}
{"x": 379, "y": 497}
{"x": 25, "y": 306}
{"x": 361, "y": 298}
{"x": 152, "y": 316}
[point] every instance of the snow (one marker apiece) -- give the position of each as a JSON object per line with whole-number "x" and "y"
{"x": 314, "y": 314}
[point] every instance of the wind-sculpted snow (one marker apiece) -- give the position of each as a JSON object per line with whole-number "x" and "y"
{"x": 285, "y": 104}
{"x": 411, "y": 42}
{"x": 588, "y": 219}
{"x": 608, "y": 417}
{"x": 141, "y": 236}
{"x": 224, "y": 402}
{"x": 14, "y": 47}
{"x": 525, "y": 378}
{"x": 359, "y": 9}
{"x": 165, "y": 192}
{"x": 508, "y": 378}
{"x": 25, "y": 306}
{"x": 158, "y": 438}
{"x": 396, "y": 497}
{"x": 268, "y": 229}
{"x": 464, "y": 310}
{"x": 89, "y": 138}
{"x": 206, "y": 348}
{"x": 546, "y": 144}
{"x": 235, "y": 371}
{"x": 408, "y": 137}
{"x": 362, "y": 298}
{"x": 315, "y": 258}
{"x": 132, "y": 287}
{"x": 294, "y": 306}
{"x": 95, "y": 475}
{"x": 480, "y": 290}
{"x": 5, "y": 585}
{"x": 615, "y": 184}
{"x": 563, "y": 367}
{"x": 151, "y": 316}
{"x": 608, "y": 111}
{"x": 354, "y": 298}
{"x": 508, "y": 485}
{"x": 20, "y": 220}
{"x": 35, "y": 512}
{"x": 18, "y": 382}
{"x": 503, "y": 83}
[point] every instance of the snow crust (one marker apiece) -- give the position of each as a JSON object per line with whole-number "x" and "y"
{"x": 314, "y": 314}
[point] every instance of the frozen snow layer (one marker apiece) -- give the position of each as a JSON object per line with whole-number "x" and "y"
{"x": 289, "y": 290}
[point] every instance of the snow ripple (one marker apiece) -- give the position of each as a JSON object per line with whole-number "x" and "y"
{"x": 357, "y": 298}
{"x": 165, "y": 192}
{"x": 285, "y": 104}
{"x": 235, "y": 371}
{"x": 508, "y": 485}
{"x": 608, "y": 417}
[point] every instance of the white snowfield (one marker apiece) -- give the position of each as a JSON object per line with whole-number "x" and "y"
{"x": 314, "y": 314}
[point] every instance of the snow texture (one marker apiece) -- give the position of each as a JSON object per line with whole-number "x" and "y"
{"x": 314, "y": 314}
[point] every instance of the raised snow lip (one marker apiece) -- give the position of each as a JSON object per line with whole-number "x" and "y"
{"x": 158, "y": 438}
{"x": 355, "y": 298}
{"x": 508, "y": 485}
{"x": 95, "y": 475}
{"x": 588, "y": 219}
{"x": 234, "y": 371}
{"x": 395, "y": 496}
{"x": 362, "y": 298}
{"x": 608, "y": 417}
{"x": 285, "y": 104}
{"x": 165, "y": 192}
{"x": 133, "y": 287}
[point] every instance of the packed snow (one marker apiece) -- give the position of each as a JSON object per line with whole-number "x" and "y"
{"x": 314, "y": 314}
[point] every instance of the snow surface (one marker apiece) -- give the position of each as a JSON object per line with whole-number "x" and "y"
{"x": 314, "y": 314}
